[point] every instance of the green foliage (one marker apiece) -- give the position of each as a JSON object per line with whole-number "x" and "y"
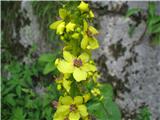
{"x": 144, "y": 114}
{"x": 105, "y": 109}
{"x": 48, "y": 60}
{"x": 20, "y": 100}
{"x": 153, "y": 23}
{"x": 132, "y": 11}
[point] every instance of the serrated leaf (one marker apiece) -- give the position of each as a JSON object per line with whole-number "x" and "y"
{"x": 47, "y": 57}
{"x": 133, "y": 11}
{"x": 49, "y": 68}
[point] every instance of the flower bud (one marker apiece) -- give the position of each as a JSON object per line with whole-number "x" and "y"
{"x": 59, "y": 87}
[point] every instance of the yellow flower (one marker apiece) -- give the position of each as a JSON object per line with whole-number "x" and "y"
{"x": 70, "y": 27}
{"x": 89, "y": 41}
{"x": 60, "y": 24}
{"x": 95, "y": 92}
{"x": 60, "y": 28}
{"x": 64, "y": 82}
{"x": 63, "y": 13}
{"x": 71, "y": 109}
{"x": 79, "y": 66}
{"x": 83, "y": 6}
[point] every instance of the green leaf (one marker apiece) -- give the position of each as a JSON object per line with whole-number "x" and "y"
{"x": 47, "y": 57}
{"x": 154, "y": 20}
{"x": 109, "y": 109}
{"x": 154, "y": 28}
{"x": 113, "y": 110}
{"x": 133, "y": 11}
{"x": 144, "y": 114}
{"x": 105, "y": 110}
{"x": 18, "y": 90}
{"x": 97, "y": 110}
{"x": 49, "y": 68}
{"x": 9, "y": 99}
{"x": 18, "y": 114}
{"x": 152, "y": 9}
{"x": 107, "y": 91}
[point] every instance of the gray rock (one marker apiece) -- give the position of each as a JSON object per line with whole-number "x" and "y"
{"x": 132, "y": 61}
{"x": 31, "y": 34}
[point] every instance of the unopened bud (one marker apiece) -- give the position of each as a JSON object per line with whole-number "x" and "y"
{"x": 59, "y": 87}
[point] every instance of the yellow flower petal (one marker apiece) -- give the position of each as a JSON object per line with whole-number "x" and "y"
{"x": 79, "y": 75}
{"x": 70, "y": 27}
{"x": 85, "y": 25}
{"x": 84, "y": 42}
{"x": 55, "y": 24}
{"x": 66, "y": 100}
{"x": 87, "y": 97}
{"x": 83, "y": 6}
{"x": 57, "y": 61}
{"x": 78, "y": 100}
{"x": 60, "y": 28}
{"x": 88, "y": 67}
{"x": 82, "y": 110}
{"x": 65, "y": 67}
{"x": 84, "y": 57}
{"x": 62, "y": 110}
{"x": 91, "y": 14}
{"x": 68, "y": 56}
{"x": 58, "y": 117}
{"x": 62, "y": 13}
{"x": 66, "y": 76}
{"x": 67, "y": 85}
{"x": 74, "y": 116}
{"x": 93, "y": 30}
{"x": 93, "y": 44}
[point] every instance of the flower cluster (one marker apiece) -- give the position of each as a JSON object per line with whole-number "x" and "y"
{"x": 69, "y": 108}
{"x": 76, "y": 66}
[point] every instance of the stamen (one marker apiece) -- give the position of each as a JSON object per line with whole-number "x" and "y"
{"x": 73, "y": 107}
{"x": 77, "y": 62}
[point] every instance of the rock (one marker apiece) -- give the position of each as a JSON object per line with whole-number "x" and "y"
{"x": 31, "y": 34}
{"x": 131, "y": 62}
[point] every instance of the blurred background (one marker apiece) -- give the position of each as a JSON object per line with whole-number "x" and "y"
{"x": 128, "y": 57}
